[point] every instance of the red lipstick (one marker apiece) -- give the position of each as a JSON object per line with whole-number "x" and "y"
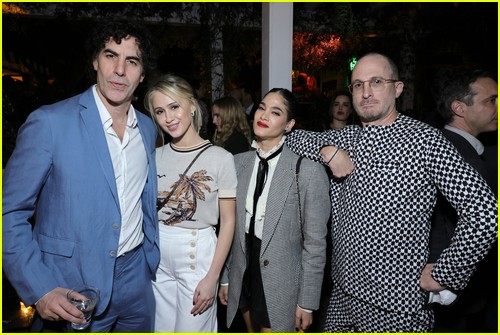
{"x": 262, "y": 124}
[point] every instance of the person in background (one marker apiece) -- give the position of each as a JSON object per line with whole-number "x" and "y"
{"x": 381, "y": 222}
{"x": 467, "y": 100}
{"x": 232, "y": 130}
{"x": 86, "y": 166}
{"x": 281, "y": 227}
{"x": 244, "y": 94}
{"x": 248, "y": 102}
{"x": 340, "y": 112}
{"x": 201, "y": 90}
{"x": 233, "y": 134}
{"x": 196, "y": 191}
{"x": 235, "y": 93}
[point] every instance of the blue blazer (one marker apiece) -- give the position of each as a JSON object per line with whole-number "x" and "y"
{"x": 61, "y": 173}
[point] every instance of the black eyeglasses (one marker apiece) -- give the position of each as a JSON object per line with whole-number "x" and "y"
{"x": 376, "y": 84}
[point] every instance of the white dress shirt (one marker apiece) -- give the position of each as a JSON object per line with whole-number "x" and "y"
{"x": 130, "y": 166}
{"x": 261, "y": 204}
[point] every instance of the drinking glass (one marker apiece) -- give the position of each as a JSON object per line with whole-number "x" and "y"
{"x": 85, "y": 299}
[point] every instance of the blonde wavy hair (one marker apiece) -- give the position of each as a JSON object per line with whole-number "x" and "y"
{"x": 178, "y": 89}
{"x": 233, "y": 118}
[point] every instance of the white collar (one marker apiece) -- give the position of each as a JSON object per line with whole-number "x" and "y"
{"x": 478, "y": 146}
{"x": 263, "y": 154}
{"x": 106, "y": 119}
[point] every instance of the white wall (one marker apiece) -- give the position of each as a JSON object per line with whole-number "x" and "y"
{"x": 277, "y": 37}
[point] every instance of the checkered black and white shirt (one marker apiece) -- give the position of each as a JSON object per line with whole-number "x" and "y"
{"x": 381, "y": 212}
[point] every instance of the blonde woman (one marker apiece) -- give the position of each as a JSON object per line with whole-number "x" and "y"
{"x": 232, "y": 130}
{"x": 196, "y": 189}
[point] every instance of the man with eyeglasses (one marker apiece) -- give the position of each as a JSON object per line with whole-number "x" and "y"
{"x": 381, "y": 211}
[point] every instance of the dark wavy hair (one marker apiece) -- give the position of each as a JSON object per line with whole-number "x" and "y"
{"x": 332, "y": 102}
{"x": 116, "y": 31}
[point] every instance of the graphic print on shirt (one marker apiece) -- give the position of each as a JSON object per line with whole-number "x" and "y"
{"x": 181, "y": 205}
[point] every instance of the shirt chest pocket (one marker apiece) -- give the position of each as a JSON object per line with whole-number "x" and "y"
{"x": 384, "y": 167}
{"x": 397, "y": 177}
{"x": 386, "y": 175}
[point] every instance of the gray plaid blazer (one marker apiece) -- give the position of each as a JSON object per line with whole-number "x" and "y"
{"x": 292, "y": 255}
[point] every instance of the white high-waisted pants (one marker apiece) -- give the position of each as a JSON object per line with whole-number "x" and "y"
{"x": 186, "y": 256}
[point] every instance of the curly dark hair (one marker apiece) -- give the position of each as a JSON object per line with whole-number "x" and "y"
{"x": 116, "y": 31}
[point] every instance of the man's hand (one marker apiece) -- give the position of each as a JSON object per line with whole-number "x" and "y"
{"x": 341, "y": 165}
{"x": 54, "y": 306}
{"x": 427, "y": 283}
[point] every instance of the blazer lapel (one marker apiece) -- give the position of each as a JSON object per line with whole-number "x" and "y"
{"x": 92, "y": 123}
{"x": 150, "y": 194}
{"x": 283, "y": 179}
{"x": 244, "y": 170}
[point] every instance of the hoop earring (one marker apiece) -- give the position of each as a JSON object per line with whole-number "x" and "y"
{"x": 192, "y": 113}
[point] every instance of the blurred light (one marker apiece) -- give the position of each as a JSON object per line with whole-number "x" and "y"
{"x": 8, "y": 8}
{"x": 352, "y": 63}
{"x": 27, "y": 311}
{"x": 314, "y": 50}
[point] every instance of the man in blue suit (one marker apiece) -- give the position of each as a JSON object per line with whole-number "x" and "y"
{"x": 84, "y": 168}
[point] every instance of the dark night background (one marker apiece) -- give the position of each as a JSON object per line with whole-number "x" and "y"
{"x": 43, "y": 58}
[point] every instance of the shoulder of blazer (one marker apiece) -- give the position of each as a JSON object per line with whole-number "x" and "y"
{"x": 145, "y": 121}
{"x": 460, "y": 143}
{"x": 305, "y": 163}
{"x": 307, "y": 168}
{"x": 244, "y": 157}
{"x": 143, "y": 117}
{"x": 69, "y": 106}
{"x": 86, "y": 99}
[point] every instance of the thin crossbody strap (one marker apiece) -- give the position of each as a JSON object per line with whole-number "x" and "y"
{"x": 297, "y": 172}
{"x": 159, "y": 206}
